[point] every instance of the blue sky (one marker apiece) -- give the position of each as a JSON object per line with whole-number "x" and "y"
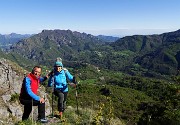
{"x": 107, "y": 17}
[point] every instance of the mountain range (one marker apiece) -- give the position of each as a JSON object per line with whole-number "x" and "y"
{"x": 146, "y": 55}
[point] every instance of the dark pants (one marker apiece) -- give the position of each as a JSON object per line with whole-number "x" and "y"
{"x": 61, "y": 99}
{"x": 28, "y": 108}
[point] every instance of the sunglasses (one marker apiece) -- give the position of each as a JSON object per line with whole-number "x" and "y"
{"x": 57, "y": 66}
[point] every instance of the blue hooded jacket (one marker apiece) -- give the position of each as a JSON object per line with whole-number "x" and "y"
{"x": 59, "y": 80}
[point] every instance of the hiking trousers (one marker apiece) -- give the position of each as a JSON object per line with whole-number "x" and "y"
{"x": 28, "y": 108}
{"x": 61, "y": 99}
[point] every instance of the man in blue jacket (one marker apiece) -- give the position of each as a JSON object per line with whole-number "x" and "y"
{"x": 28, "y": 96}
{"x": 59, "y": 80}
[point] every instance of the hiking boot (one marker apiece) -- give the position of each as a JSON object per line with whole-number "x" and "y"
{"x": 43, "y": 120}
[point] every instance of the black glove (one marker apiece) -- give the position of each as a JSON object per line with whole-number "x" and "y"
{"x": 51, "y": 73}
{"x": 74, "y": 80}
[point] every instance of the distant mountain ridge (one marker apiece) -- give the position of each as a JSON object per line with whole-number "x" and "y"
{"x": 147, "y": 55}
{"x": 108, "y": 38}
{"x": 8, "y": 39}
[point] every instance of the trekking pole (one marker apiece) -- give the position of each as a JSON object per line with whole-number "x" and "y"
{"x": 52, "y": 95}
{"x": 32, "y": 112}
{"x": 77, "y": 99}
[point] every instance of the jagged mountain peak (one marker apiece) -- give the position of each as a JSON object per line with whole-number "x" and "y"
{"x": 66, "y": 36}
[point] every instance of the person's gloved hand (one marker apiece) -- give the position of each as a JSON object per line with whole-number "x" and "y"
{"x": 50, "y": 73}
{"x": 74, "y": 80}
{"x": 65, "y": 69}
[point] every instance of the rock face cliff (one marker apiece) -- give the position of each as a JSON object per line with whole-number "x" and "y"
{"x": 11, "y": 77}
